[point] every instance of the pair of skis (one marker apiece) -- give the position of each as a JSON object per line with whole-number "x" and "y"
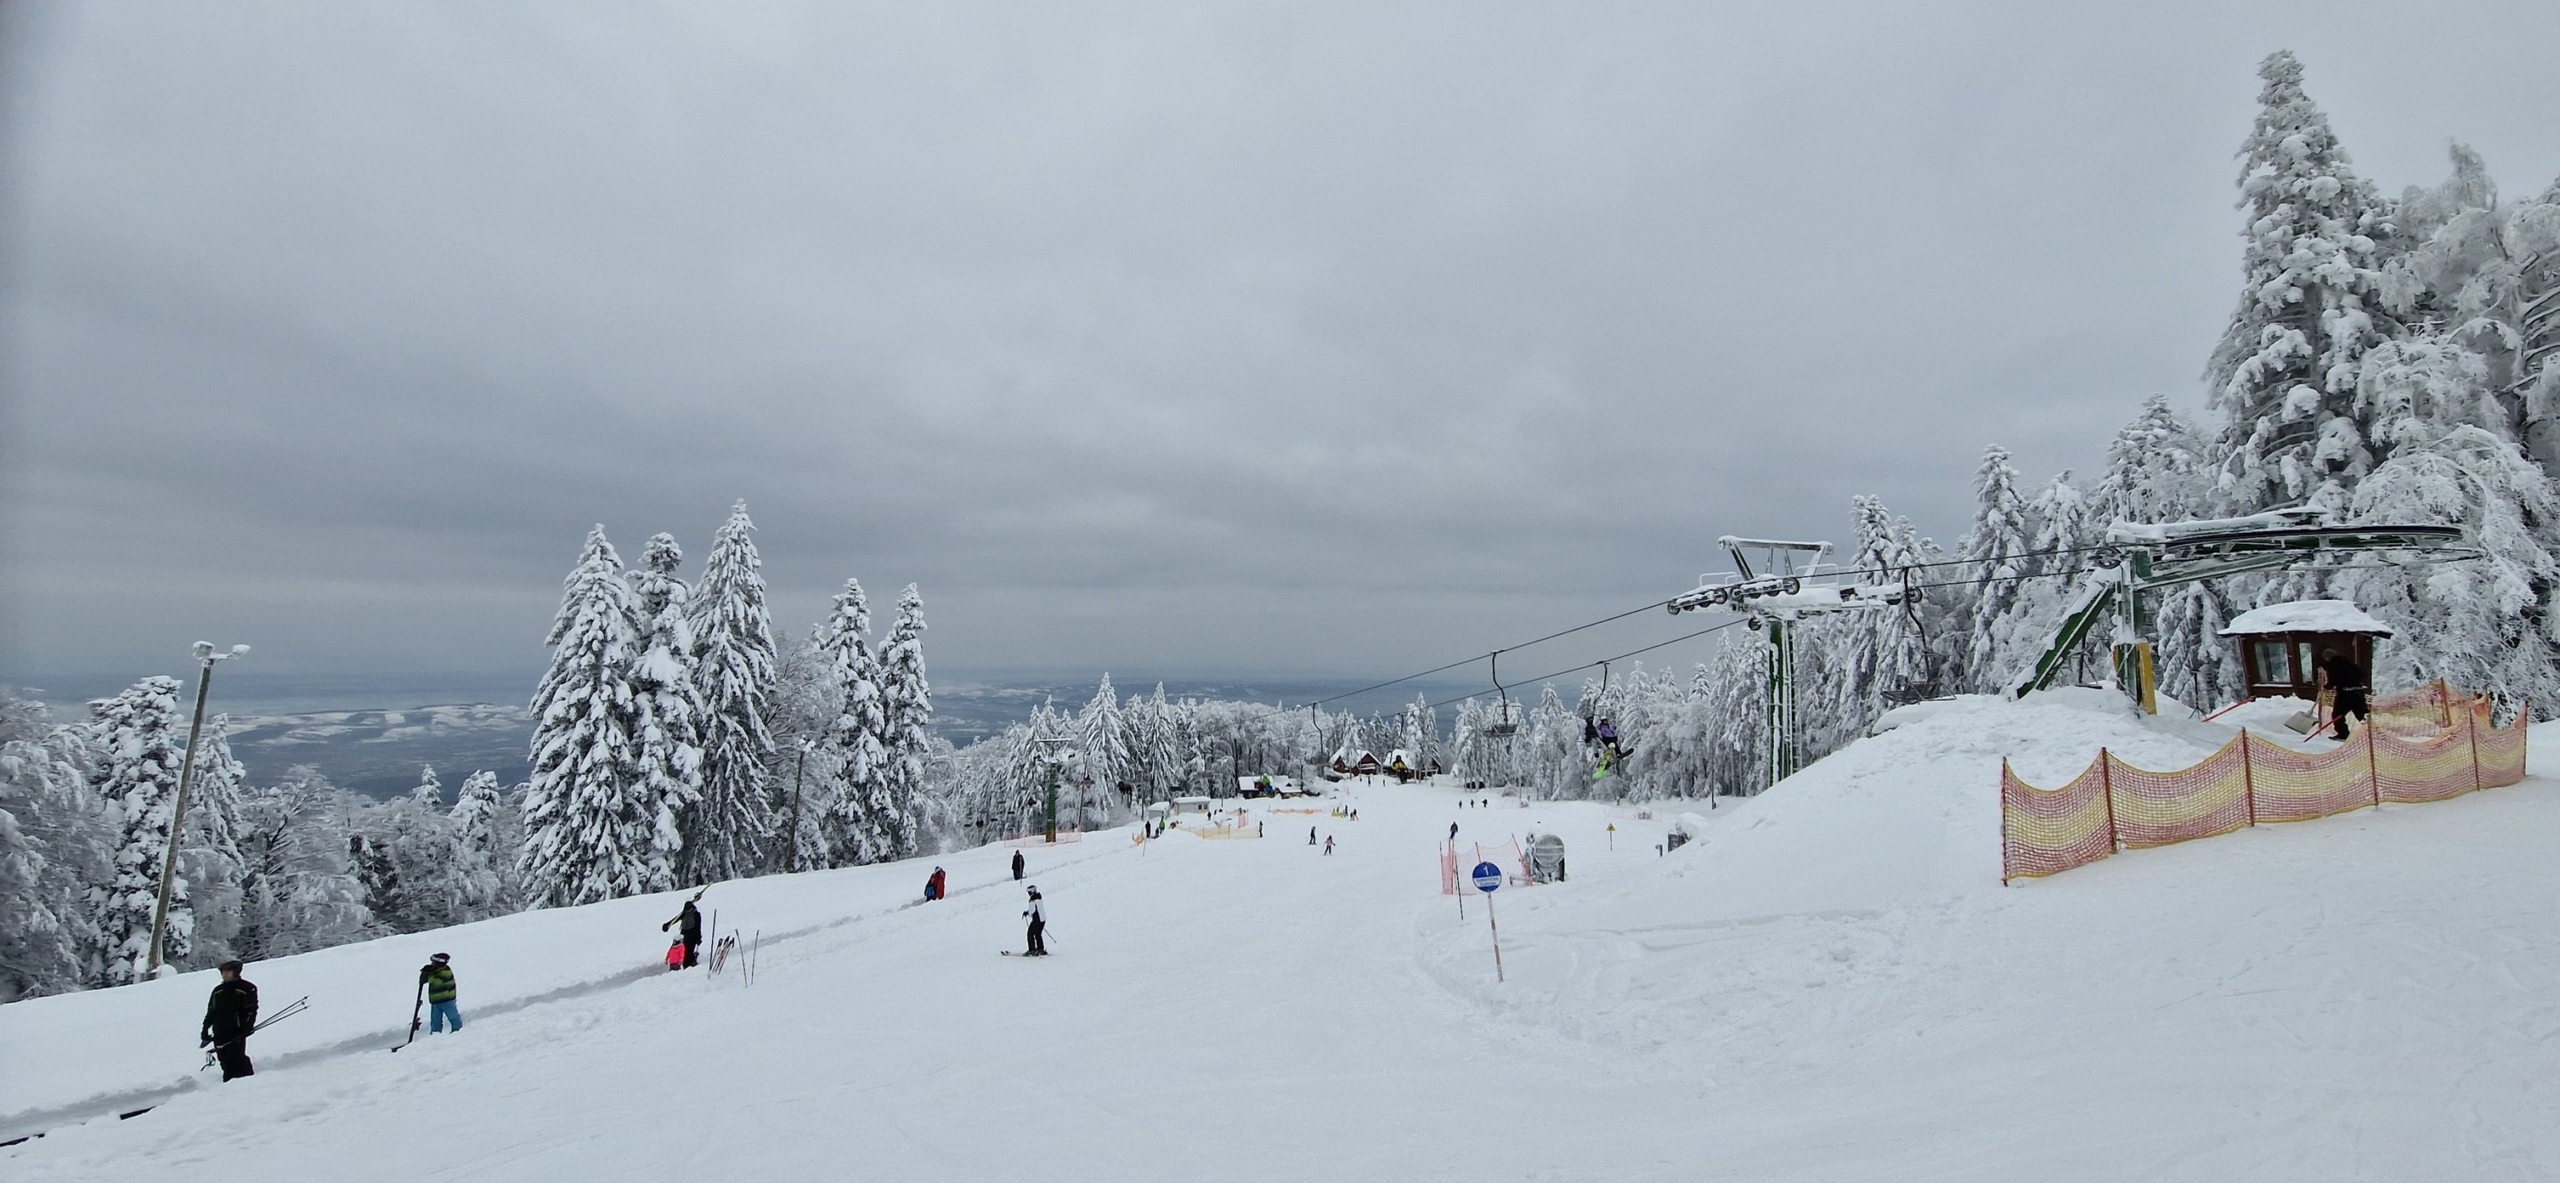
{"x": 287, "y": 1011}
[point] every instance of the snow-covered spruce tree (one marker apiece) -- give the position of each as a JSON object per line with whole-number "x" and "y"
{"x": 2485, "y": 274}
{"x": 412, "y": 863}
{"x": 1878, "y": 651}
{"x": 298, "y": 887}
{"x": 140, "y": 749}
{"x": 907, "y": 708}
{"x": 729, "y": 830}
{"x": 1993, "y": 556}
{"x": 479, "y": 821}
{"x": 591, "y": 832}
{"x": 666, "y": 718}
{"x": 1102, "y": 735}
{"x": 57, "y": 839}
{"x": 2488, "y": 626}
{"x": 2161, "y": 469}
{"x": 862, "y": 825}
{"x": 429, "y": 793}
{"x": 209, "y": 857}
{"x": 2284, "y": 373}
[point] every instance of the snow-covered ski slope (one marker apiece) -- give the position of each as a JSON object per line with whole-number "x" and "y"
{"x": 1831, "y": 985}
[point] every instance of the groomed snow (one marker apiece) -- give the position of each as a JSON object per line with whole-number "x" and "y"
{"x": 1830, "y": 984}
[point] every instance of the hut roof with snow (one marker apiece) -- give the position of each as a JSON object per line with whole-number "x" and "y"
{"x": 2305, "y": 616}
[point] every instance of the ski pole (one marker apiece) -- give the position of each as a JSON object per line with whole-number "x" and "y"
{"x": 414, "y": 1009}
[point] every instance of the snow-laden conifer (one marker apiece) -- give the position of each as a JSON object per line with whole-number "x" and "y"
{"x": 57, "y": 840}
{"x": 1994, "y": 556}
{"x": 907, "y": 713}
{"x": 140, "y": 750}
{"x": 2285, "y": 371}
{"x": 298, "y": 887}
{"x": 731, "y": 826}
{"x": 666, "y": 718}
{"x": 862, "y": 824}
{"x": 592, "y": 831}
{"x": 1102, "y": 736}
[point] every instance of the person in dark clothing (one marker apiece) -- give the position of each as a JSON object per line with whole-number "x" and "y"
{"x": 437, "y": 977}
{"x": 1039, "y": 918}
{"x": 2345, "y": 682}
{"x": 229, "y": 1016}
{"x": 1017, "y": 866}
{"x": 688, "y": 924}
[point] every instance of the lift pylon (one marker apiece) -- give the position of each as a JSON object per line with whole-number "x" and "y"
{"x": 1789, "y": 583}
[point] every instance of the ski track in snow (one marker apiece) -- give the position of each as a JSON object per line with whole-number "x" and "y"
{"x": 1830, "y": 985}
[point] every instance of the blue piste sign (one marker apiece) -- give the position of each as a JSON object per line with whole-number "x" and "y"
{"x": 1487, "y": 876}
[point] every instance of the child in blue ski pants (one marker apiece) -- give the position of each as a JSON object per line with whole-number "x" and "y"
{"x": 442, "y": 1012}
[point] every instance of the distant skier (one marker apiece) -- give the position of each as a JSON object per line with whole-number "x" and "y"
{"x": 1311, "y": 835}
{"x": 230, "y": 1014}
{"x": 1453, "y": 831}
{"x": 1039, "y": 918}
{"x": 2345, "y": 682}
{"x": 933, "y": 886}
{"x": 1328, "y": 844}
{"x": 1017, "y": 866}
{"x": 437, "y": 977}
{"x": 689, "y": 935}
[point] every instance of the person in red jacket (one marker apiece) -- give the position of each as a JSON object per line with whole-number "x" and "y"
{"x": 933, "y": 886}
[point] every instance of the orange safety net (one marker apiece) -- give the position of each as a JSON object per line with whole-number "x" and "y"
{"x": 2431, "y": 707}
{"x": 2432, "y": 744}
{"x": 2047, "y": 831}
{"x": 2499, "y": 754}
{"x": 2158, "y": 808}
{"x": 2413, "y": 768}
{"x": 2289, "y": 785}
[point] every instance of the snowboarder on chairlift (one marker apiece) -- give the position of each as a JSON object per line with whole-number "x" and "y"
{"x": 1039, "y": 918}
{"x": 933, "y": 888}
{"x": 688, "y": 936}
{"x": 1017, "y": 866}
{"x": 229, "y": 1016}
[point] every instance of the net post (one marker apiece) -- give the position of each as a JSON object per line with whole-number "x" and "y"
{"x": 2007, "y": 862}
{"x": 2107, "y": 792}
{"x": 2471, "y": 731}
{"x": 2248, "y": 778}
{"x": 2372, "y": 761}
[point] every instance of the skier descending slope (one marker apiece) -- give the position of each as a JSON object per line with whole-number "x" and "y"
{"x": 229, "y": 1016}
{"x": 688, "y": 924}
{"x": 1039, "y": 918}
{"x": 437, "y": 976}
{"x": 1017, "y": 866}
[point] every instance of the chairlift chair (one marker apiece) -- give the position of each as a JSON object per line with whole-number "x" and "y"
{"x": 1503, "y": 728}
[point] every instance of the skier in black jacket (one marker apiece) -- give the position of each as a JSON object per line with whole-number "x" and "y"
{"x": 2339, "y": 673}
{"x": 689, "y": 926}
{"x": 229, "y": 1016}
{"x": 1017, "y": 866}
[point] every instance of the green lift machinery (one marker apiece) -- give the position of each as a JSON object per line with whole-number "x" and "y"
{"x": 2139, "y": 559}
{"x": 1789, "y": 583}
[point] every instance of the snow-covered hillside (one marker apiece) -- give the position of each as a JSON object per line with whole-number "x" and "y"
{"x": 1830, "y": 985}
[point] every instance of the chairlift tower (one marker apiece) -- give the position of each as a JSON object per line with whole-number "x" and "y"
{"x": 1790, "y": 583}
{"x": 2145, "y": 557}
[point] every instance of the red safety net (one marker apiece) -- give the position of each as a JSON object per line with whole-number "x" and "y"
{"x": 2430, "y": 744}
{"x": 2158, "y": 808}
{"x": 2499, "y": 753}
{"x": 2289, "y": 785}
{"x": 2044, "y": 831}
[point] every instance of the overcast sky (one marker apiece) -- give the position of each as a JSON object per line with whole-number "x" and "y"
{"x": 1193, "y": 339}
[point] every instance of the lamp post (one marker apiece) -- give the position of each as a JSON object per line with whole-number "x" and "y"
{"x": 205, "y": 657}
{"x": 791, "y": 852}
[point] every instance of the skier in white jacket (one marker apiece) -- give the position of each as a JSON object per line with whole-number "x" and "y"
{"x": 1039, "y": 920}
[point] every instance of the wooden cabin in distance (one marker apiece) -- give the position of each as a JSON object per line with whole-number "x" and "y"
{"x": 2281, "y": 644}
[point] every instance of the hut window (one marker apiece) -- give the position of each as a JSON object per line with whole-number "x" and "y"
{"x": 2272, "y": 670}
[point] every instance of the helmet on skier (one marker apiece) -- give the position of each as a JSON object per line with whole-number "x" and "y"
{"x": 441, "y": 958}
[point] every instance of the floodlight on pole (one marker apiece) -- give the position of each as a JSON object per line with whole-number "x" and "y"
{"x": 205, "y": 657}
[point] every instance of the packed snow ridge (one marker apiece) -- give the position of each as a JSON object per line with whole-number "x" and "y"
{"x": 1830, "y": 984}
